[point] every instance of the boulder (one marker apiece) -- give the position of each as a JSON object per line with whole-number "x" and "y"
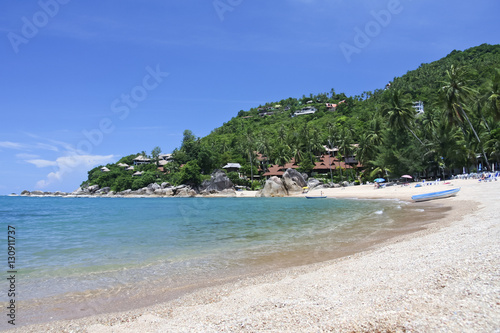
{"x": 218, "y": 182}
{"x": 25, "y": 192}
{"x": 153, "y": 187}
{"x": 104, "y": 190}
{"x": 126, "y": 192}
{"x": 60, "y": 194}
{"x": 164, "y": 192}
{"x": 168, "y": 192}
{"x": 92, "y": 189}
{"x": 178, "y": 188}
{"x": 293, "y": 181}
{"x": 144, "y": 191}
{"x": 185, "y": 192}
{"x": 274, "y": 187}
{"x": 79, "y": 191}
{"x": 313, "y": 182}
{"x": 36, "y": 193}
{"x": 165, "y": 185}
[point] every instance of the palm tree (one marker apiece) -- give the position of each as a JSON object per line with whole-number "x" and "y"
{"x": 282, "y": 155}
{"x": 345, "y": 143}
{"x": 493, "y": 96}
{"x": 456, "y": 92}
{"x": 400, "y": 113}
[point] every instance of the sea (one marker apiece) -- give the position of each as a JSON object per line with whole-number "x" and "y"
{"x": 92, "y": 255}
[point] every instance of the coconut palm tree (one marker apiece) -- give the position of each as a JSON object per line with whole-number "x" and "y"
{"x": 456, "y": 92}
{"x": 345, "y": 143}
{"x": 400, "y": 113}
{"x": 493, "y": 96}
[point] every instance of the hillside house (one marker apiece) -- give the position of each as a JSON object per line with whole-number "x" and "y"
{"x": 140, "y": 159}
{"x": 232, "y": 167}
{"x": 306, "y": 110}
{"x": 419, "y": 107}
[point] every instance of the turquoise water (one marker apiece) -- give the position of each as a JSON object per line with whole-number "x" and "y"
{"x": 77, "y": 244}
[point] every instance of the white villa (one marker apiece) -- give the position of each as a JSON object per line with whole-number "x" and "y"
{"x": 140, "y": 159}
{"x": 419, "y": 107}
{"x": 306, "y": 110}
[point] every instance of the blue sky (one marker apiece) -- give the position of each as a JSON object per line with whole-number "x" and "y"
{"x": 86, "y": 82}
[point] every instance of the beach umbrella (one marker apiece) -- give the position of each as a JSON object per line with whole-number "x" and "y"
{"x": 379, "y": 180}
{"x": 406, "y": 177}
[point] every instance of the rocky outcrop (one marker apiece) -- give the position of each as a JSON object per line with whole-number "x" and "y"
{"x": 218, "y": 182}
{"x": 37, "y": 193}
{"x": 153, "y": 187}
{"x": 104, "y": 190}
{"x": 293, "y": 181}
{"x": 274, "y": 187}
{"x": 313, "y": 183}
{"x": 185, "y": 192}
{"x": 92, "y": 189}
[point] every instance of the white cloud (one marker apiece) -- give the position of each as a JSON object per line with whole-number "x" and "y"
{"x": 42, "y": 163}
{"x": 67, "y": 165}
{"x": 12, "y": 145}
{"x": 27, "y": 147}
{"x": 25, "y": 156}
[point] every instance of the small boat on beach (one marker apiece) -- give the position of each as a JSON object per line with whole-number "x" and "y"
{"x": 435, "y": 195}
{"x": 316, "y": 197}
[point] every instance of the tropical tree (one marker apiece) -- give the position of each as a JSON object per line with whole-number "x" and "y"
{"x": 493, "y": 96}
{"x": 400, "y": 113}
{"x": 456, "y": 92}
{"x": 155, "y": 153}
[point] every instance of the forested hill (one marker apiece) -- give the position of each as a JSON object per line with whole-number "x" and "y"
{"x": 422, "y": 83}
{"x": 461, "y": 98}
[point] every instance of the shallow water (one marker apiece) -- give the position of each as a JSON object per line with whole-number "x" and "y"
{"x": 81, "y": 246}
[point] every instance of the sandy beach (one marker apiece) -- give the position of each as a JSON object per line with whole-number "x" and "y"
{"x": 444, "y": 278}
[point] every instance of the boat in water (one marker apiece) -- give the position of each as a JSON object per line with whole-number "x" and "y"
{"x": 435, "y": 195}
{"x": 316, "y": 197}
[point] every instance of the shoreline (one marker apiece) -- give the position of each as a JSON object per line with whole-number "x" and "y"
{"x": 365, "y": 191}
{"x": 246, "y": 293}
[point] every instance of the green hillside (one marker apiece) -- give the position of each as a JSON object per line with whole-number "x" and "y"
{"x": 459, "y": 128}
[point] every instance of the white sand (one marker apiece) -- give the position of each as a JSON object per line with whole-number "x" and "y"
{"x": 446, "y": 278}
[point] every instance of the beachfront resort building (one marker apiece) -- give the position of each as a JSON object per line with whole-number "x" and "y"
{"x": 326, "y": 163}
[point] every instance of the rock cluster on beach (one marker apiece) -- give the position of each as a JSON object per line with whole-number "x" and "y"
{"x": 219, "y": 184}
{"x": 292, "y": 183}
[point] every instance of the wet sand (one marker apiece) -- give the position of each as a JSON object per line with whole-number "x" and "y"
{"x": 442, "y": 277}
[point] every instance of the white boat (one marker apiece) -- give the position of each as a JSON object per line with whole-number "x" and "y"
{"x": 435, "y": 195}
